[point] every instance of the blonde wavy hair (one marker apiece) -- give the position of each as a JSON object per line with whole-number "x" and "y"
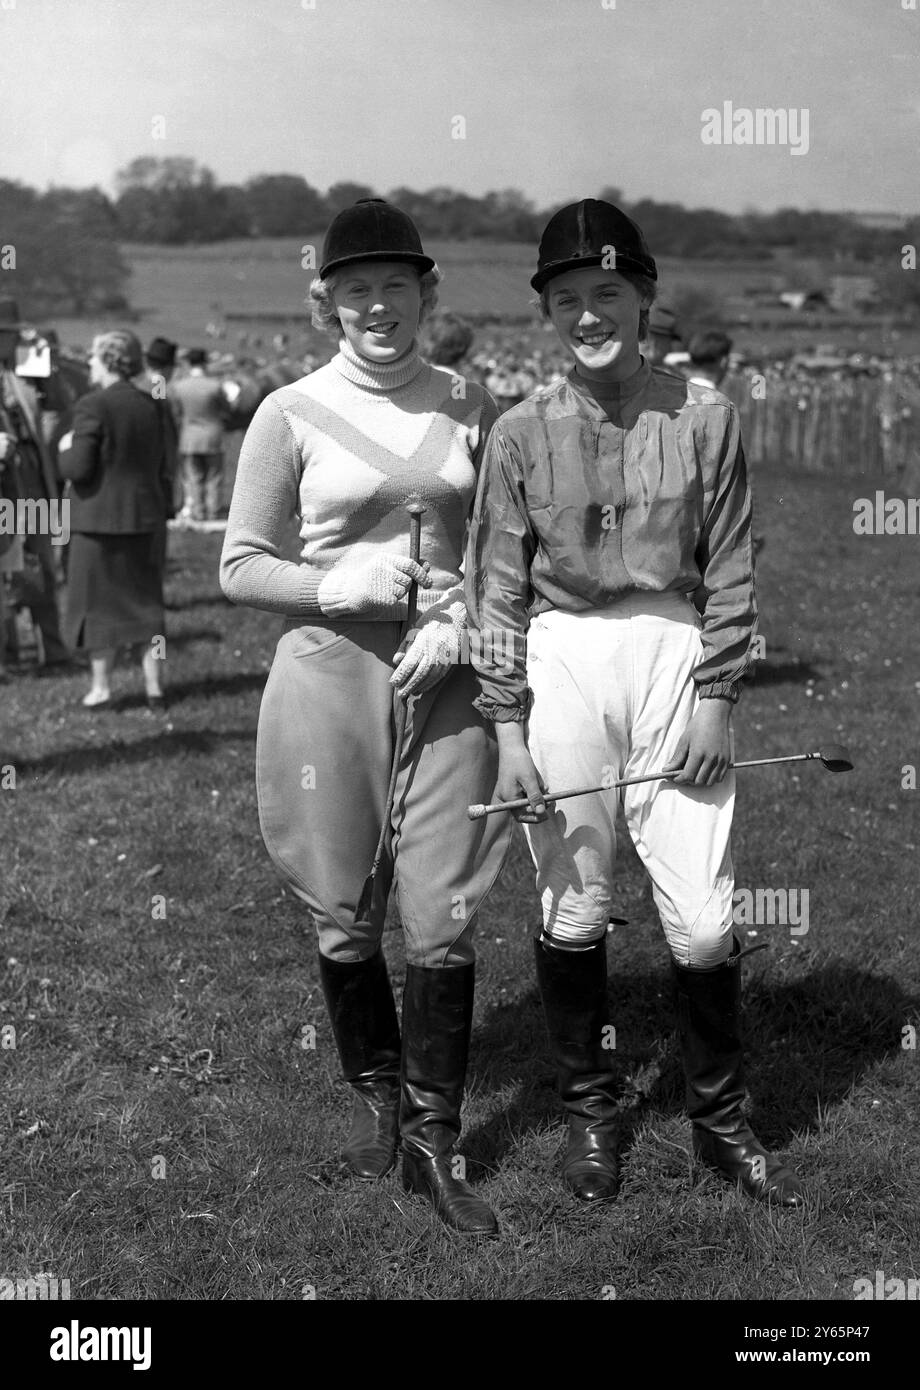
{"x": 325, "y": 318}
{"x": 120, "y": 352}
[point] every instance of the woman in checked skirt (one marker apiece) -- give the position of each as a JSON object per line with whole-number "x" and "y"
{"x": 611, "y": 543}
{"x": 345, "y": 449}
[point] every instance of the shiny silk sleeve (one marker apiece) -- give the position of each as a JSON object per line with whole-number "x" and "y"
{"x": 725, "y": 598}
{"x": 500, "y": 549}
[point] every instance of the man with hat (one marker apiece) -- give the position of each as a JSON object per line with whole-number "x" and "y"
{"x": 663, "y": 339}
{"x": 161, "y": 357}
{"x": 23, "y": 449}
{"x": 611, "y": 537}
{"x": 709, "y": 352}
{"x": 204, "y": 413}
{"x": 156, "y": 379}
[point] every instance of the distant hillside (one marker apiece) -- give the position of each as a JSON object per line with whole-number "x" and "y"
{"x": 259, "y": 286}
{"x": 265, "y": 277}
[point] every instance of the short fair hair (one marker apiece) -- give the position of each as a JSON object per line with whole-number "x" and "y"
{"x": 120, "y": 352}
{"x": 325, "y": 318}
{"x": 643, "y": 284}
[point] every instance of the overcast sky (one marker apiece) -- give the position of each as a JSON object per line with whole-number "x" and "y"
{"x": 559, "y": 97}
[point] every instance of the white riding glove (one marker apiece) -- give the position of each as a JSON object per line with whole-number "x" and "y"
{"x": 371, "y": 588}
{"x": 430, "y": 649}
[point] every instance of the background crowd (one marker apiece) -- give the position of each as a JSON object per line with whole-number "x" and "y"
{"x": 178, "y": 455}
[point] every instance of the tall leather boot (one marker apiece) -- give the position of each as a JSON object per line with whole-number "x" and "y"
{"x": 573, "y": 986}
{"x": 437, "y": 1021}
{"x": 366, "y": 1030}
{"x": 709, "y": 1019}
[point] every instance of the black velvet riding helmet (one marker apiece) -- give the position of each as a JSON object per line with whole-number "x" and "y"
{"x": 584, "y": 234}
{"x": 372, "y": 230}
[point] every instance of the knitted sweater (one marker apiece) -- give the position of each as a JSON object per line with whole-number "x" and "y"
{"x": 344, "y": 449}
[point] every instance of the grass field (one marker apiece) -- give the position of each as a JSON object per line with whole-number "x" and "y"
{"x": 165, "y": 1135}
{"x": 178, "y": 291}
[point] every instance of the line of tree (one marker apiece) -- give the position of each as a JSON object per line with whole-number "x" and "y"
{"x": 70, "y": 237}
{"x": 174, "y": 201}
{"x": 60, "y": 249}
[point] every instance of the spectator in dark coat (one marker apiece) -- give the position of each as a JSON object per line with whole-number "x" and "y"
{"x": 10, "y": 542}
{"x": 21, "y": 424}
{"x": 117, "y": 459}
{"x": 156, "y": 380}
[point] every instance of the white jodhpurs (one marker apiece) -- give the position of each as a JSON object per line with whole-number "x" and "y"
{"x": 613, "y": 692}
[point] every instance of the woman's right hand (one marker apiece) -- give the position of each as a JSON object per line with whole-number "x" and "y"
{"x": 518, "y": 775}
{"x": 371, "y": 587}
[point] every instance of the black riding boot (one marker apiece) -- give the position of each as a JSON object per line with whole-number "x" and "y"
{"x": 573, "y": 986}
{"x": 366, "y": 1030}
{"x": 437, "y": 1020}
{"x": 709, "y": 1017}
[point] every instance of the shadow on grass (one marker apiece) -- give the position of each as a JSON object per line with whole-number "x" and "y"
{"x": 806, "y": 1043}
{"x": 172, "y": 744}
{"x": 183, "y": 604}
{"x": 784, "y": 673}
{"x": 196, "y": 634}
{"x": 217, "y": 685}
{"x": 178, "y": 691}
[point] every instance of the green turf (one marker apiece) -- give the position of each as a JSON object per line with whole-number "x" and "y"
{"x": 143, "y": 1041}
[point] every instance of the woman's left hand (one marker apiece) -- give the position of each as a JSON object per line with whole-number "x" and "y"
{"x": 426, "y": 654}
{"x": 704, "y": 753}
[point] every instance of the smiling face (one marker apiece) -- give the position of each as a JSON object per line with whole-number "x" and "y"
{"x": 378, "y": 304}
{"x": 596, "y": 314}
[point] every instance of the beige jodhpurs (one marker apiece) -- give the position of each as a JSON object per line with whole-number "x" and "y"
{"x": 325, "y": 747}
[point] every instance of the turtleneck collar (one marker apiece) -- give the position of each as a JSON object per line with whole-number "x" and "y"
{"x": 377, "y": 376}
{"x": 614, "y": 392}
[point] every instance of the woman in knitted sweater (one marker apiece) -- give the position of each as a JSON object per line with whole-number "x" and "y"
{"x": 345, "y": 449}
